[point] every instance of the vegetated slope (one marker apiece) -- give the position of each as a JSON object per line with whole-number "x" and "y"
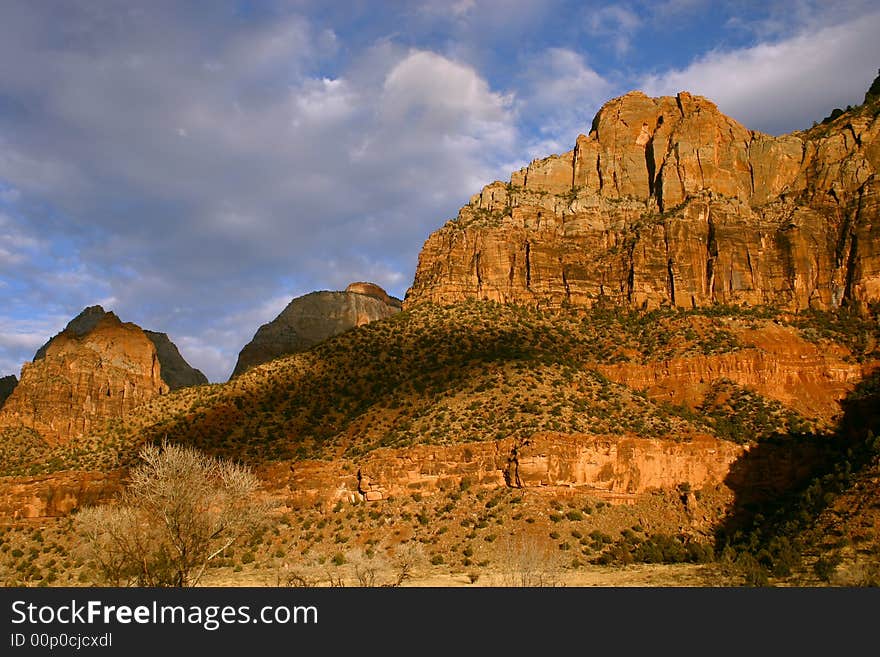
{"x": 469, "y": 372}
{"x": 827, "y": 527}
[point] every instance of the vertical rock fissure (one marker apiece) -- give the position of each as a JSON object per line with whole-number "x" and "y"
{"x": 528, "y": 247}
{"x": 852, "y": 260}
{"x": 843, "y": 239}
{"x": 477, "y": 271}
{"x": 650, "y": 164}
{"x": 700, "y": 167}
{"x": 511, "y": 471}
{"x": 565, "y": 282}
{"x": 711, "y": 255}
{"x": 752, "y": 278}
{"x": 751, "y": 178}
{"x": 670, "y": 265}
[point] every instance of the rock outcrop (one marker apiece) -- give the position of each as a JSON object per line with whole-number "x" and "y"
{"x": 669, "y": 202}
{"x": 58, "y": 494}
{"x": 96, "y": 369}
{"x": 7, "y": 385}
{"x": 314, "y": 317}
{"x": 174, "y": 370}
{"x": 618, "y": 469}
{"x": 809, "y": 378}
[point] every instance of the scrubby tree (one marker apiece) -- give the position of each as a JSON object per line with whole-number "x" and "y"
{"x": 180, "y": 510}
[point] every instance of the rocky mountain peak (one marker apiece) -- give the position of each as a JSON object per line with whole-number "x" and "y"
{"x": 373, "y": 290}
{"x": 667, "y": 201}
{"x": 96, "y": 369}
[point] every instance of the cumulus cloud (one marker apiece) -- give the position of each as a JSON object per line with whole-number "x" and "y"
{"x": 616, "y": 24}
{"x": 561, "y": 97}
{"x": 25, "y": 336}
{"x": 775, "y": 86}
{"x": 189, "y": 170}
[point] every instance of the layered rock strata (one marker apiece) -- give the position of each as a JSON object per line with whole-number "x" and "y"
{"x": 775, "y": 362}
{"x": 96, "y": 369}
{"x": 669, "y": 202}
{"x": 614, "y": 468}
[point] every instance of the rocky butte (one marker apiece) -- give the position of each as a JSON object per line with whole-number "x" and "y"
{"x": 96, "y": 369}
{"x": 314, "y": 317}
{"x": 667, "y": 201}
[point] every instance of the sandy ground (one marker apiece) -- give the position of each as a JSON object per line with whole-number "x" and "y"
{"x": 638, "y": 575}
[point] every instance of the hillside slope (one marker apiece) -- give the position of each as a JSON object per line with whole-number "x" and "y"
{"x": 482, "y": 371}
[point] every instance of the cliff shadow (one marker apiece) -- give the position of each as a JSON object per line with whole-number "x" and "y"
{"x": 781, "y": 485}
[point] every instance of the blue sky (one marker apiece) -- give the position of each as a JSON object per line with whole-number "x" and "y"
{"x": 193, "y": 167}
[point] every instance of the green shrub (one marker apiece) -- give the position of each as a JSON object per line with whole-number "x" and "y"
{"x": 826, "y": 565}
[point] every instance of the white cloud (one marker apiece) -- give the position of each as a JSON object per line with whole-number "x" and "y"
{"x": 25, "y": 336}
{"x": 324, "y": 100}
{"x": 188, "y": 168}
{"x": 617, "y": 23}
{"x": 441, "y": 94}
{"x": 771, "y": 86}
{"x": 561, "y": 96}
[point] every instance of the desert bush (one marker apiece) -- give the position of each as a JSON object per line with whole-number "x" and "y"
{"x": 180, "y": 511}
{"x": 527, "y": 562}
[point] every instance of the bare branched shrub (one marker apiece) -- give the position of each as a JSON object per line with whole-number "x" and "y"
{"x": 389, "y": 567}
{"x": 528, "y": 561}
{"x": 181, "y": 509}
{"x": 369, "y": 569}
{"x": 407, "y": 558}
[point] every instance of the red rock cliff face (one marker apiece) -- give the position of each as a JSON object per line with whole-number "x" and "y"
{"x": 776, "y": 362}
{"x": 98, "y": 368}
{"x": 48, "y": 496}
{"x": 615, "y": 468}
{"x": 668, "y": 201}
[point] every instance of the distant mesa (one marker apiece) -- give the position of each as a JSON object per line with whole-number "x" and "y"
{"x": 313, "y": 318}
{"x": 7, "y": 385}
{"x": 96, "y": 369}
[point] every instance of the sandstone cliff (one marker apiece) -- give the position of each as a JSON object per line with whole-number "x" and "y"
{"x": 97, "y": 368}
{"x": 7, "y": 385}
{"x": 669, "y": 202}
{"x": 314, "y": 317}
